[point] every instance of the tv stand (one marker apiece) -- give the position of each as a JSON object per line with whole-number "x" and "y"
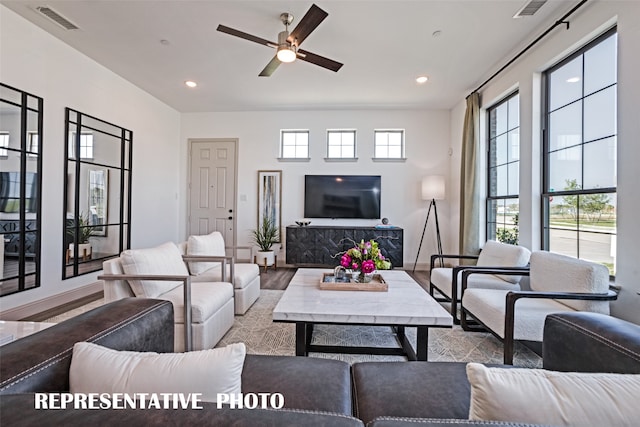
{"x": 317, "y": 245}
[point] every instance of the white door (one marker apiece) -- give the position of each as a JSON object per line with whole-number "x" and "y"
{"x": 212, "y": 189}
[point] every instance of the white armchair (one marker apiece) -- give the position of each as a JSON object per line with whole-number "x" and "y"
{"x": 245, "y": 277}
{"x": 447, "y": 281}
{"x": 203, "y": 311}
{"x": 558, "y": 284}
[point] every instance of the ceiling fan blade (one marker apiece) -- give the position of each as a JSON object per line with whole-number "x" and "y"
{"x": 307, "y": 24}
{"x": 270, "y": 68}
{"x": 327, "y": 63}
{"x": 245, "y": 36}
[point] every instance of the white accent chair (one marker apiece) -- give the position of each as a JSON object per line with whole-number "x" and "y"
{"x": 448, "y": 281}
{"x": 245, "y": 277}
{"x": 558, "y": 284}
{"x": 161, "y": 273}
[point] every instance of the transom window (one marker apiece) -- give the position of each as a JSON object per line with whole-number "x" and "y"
{"x": 341, "y": 144}
{"x": 503, "y": 205}
{"x": 580, "y": 179}
{"x": 86, "y": 145}
{"x": 389, "y": 144}
{"x": 294, "y": 144}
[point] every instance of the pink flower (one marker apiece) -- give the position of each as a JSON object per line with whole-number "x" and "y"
{"x": 355, "y": 266}
{"x": 368, "y": 266}
{"x": 345, "y": 261}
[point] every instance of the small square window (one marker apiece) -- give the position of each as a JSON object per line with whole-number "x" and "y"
{"x": 86, "y": 145}
{"x": 341, "y": 144}
{"x": 389, "y": 144}
{"x": 294, "y": 144}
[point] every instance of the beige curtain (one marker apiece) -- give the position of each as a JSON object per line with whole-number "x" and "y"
{"x": 469, "y": 182}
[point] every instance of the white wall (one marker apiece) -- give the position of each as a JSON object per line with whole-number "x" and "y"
{"x": 427, "y": 145}
{"x": 34, "y": 61}
{"x": 586, "y": 24}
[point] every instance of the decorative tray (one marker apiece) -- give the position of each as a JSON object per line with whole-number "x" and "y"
{"x": 377, "y": 284}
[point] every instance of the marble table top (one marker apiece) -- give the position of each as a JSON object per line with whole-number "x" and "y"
{"x": 405, "y": 303}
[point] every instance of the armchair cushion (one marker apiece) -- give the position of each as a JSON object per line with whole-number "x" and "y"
{"x": 552, "y": 272}
{"x": 489, "y": 306}
{"x": 210, "y": 244}
{"x": 206, "y": 299}
{"x": 244, "y": 274}
{"x": 496, "y": 254}
{"x": 442, "y": 278}
{"x": 207, "y": 371}
{"x": 553, "y": 398}
{"x": 162, "y": 260}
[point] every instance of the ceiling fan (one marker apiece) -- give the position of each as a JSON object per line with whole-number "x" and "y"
{"x": 288, "y": 43}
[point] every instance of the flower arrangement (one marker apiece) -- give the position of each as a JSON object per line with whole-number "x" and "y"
{"x": 365, "y": 258}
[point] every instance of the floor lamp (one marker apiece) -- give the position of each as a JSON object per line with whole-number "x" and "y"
{"x": 432, "y": 190}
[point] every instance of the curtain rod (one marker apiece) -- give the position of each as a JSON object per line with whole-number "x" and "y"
{"x": 560, "y": 21}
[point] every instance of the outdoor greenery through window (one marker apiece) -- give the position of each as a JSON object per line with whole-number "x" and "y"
{"x": 294, "y": 144}
{"x": 503, "y": 205}
{"x": 579, "y": 191}
{"x": 389, "y": 144}
{"x": 341, "y": 144}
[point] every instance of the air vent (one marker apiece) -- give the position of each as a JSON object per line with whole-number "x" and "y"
{"x": 530, "y": 8}
{"x": 56, "y": 17}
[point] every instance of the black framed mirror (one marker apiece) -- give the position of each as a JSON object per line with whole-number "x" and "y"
{"x": 20, "y": 189}
{"x": 97, "y": 193}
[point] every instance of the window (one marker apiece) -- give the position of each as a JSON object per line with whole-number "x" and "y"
{"x": 4, "y": 144}
{"x": 389, "y": 144}
{"x": 579, "y": 166}
{"x": 341, "y": 144}
{"x": 503, "y": 180}
{"x": 86, "y": 145}
{"x": 294, "y": 144}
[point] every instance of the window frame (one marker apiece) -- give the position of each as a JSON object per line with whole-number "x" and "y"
{"x": 296, "y": 132}
{"x": 546, "y": 194}
{"x": 491, "y": 234}
{"x": 402, "y": 144}
{"x": 342, "y": 132}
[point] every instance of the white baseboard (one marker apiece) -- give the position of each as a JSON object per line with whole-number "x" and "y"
{"x": 35, "y": 307}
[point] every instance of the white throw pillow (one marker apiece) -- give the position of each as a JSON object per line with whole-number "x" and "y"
{"x": 97, "y": 369}
{"x": 554, "y": 398}
{"x": 210, "y": 244}
{"x": 165, "y": 260}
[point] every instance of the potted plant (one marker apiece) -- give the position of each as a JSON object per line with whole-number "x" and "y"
{"x": 264, "y": 237}
{"x": 85, "y": 232}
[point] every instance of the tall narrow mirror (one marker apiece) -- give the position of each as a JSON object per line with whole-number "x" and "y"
{"x": 97, "y": 193}
{"x": 20, "y": 189}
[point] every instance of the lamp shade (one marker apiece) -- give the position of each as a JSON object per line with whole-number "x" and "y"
{"x": 433, "y": 187}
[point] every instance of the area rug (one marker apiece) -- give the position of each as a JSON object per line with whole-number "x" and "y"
{"x": 263, "y": 336}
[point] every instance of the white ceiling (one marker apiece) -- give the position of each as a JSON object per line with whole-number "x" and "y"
{"x": 384, "y": 46}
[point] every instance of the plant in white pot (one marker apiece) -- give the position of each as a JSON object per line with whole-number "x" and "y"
{"x": 85, "y": 232}
{"x": 264, "y": 237}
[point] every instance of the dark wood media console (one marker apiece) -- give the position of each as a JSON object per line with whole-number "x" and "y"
{"x": 317, "y": 245}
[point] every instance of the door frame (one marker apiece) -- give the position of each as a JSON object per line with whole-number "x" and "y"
{"x": 234, "y": 245}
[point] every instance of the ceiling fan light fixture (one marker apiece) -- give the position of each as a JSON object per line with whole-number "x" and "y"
{"x": 286, "y": 54}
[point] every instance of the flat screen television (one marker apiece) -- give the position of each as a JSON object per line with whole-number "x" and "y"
{"x": 342, "y": 196}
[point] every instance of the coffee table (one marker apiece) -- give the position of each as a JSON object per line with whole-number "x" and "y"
{"x": 405, "y": 304}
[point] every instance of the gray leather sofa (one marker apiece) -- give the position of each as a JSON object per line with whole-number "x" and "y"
{"x": 317, "y": 392}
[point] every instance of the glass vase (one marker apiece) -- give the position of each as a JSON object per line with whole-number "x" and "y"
{"x": 364, "y": 277}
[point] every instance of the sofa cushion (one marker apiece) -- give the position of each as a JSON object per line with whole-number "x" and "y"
{"x": 162, "y": 260}
{"x": 97, "y": 369}
{"x": 496, "y": 254}
{"x": 552, "y": 272}
{"x": 489, "y": 306}
{"x": 554, "y": 398}
{"x": 209, "y": 244}
{"x": 244, "y": 274}
{"x": 442, "y": 278}
{"x": 206, "y": 299}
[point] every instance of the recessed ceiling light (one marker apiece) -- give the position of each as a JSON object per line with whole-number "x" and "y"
{"x": 422, "y": 79}
{"x": 191, "y": 83}
{"x": 573, "y": 80}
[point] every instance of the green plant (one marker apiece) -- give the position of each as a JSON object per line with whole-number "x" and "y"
{"x": 509, "y": 236}
{"x": 85, "y": 229}
{"x": 265, "y": 235}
